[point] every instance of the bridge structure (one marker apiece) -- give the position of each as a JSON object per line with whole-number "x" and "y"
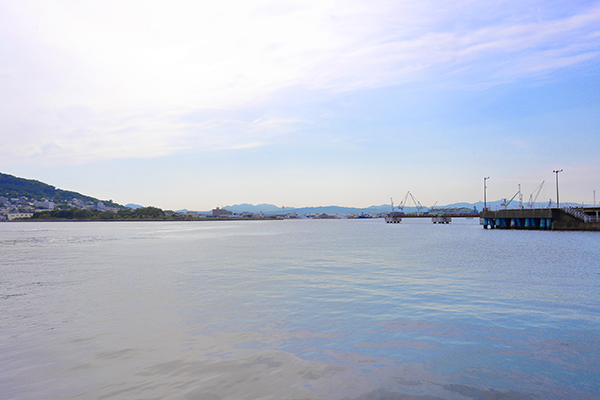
{"x": 436, "y": 218}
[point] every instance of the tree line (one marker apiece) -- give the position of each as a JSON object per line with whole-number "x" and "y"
{"x": 144, "y": 213}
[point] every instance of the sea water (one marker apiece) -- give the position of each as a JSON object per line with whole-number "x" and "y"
{"x": 297, "y": 309}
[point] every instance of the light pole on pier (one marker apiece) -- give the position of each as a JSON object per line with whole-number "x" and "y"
{"x": 556, "y": 171}
{"x": 484, "y": 193}
{"x": 595, "y": 205}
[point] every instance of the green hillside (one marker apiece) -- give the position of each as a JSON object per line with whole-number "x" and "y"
{"x": 12, "y": 186}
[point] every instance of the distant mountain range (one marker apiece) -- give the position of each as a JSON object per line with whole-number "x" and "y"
{"x": 12, "y": 186}
{"x": 455, "y": 207}
{"x": 273, "y": 209}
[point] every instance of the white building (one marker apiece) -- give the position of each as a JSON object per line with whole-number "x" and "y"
{"x": 12, "y": 216}
{"x": 47, "y": 204}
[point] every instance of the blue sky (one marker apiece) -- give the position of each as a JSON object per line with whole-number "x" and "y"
{"x": 197, "y": 104}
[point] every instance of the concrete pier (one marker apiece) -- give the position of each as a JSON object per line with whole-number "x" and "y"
{"x": 394, "y": 218}
{"x": 561, "y": 219}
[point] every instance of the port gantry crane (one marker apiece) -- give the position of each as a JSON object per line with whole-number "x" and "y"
{"x": 415, "y": 202}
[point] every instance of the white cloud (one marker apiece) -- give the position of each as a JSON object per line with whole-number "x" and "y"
{"x": 84, "y": 80}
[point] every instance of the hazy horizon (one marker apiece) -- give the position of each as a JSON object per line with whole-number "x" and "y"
{"x": 301, "y": 103}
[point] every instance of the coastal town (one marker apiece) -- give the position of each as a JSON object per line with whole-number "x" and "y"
{"x": 24, "y": 207}
{"x": 26, "y": 199}
{"x": 21, "y": 207}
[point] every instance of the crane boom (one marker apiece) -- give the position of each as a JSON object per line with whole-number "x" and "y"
{"x": 416, "y": 202}
{"x": 537, "y": 191}
{"x": 506, "y": 204}
{"x": 432, "y": 207}
{"x": 403, "y": 202}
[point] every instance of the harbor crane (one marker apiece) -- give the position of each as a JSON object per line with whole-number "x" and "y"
{"x": 505, "y": 203}
{"x": 415, "y": 202}
{"x": 431, "y": 208}
{"x": 532, "y": 198}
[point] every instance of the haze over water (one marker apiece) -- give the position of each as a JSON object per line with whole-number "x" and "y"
{"x": 297, "y": 309}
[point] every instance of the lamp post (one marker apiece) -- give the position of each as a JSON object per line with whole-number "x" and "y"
{"x": 556, "y": 171}
{"x": 484, "y": 193}
{"x": 595, "y": 205}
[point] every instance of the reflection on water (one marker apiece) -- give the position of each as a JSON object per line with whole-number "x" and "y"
{"x": 329, "y": 309}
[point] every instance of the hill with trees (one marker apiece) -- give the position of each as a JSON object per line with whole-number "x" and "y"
{"x": 12, "y": 186}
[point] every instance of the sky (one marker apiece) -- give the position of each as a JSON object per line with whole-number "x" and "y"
{"x": 198, "y": 104}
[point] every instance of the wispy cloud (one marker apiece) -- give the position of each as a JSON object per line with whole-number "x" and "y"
{"x": 86, "y": 80}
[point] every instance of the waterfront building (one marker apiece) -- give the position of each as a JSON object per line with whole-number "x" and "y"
{"x": 221, "y": 212}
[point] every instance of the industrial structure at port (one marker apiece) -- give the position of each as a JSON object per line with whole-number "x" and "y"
{"x": 559, "y": 219}
{"x": 524, "y": 217}
{"x": 438, "y": 216}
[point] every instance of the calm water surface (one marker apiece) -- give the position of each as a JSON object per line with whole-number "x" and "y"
{"x": 297, "y": 309}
